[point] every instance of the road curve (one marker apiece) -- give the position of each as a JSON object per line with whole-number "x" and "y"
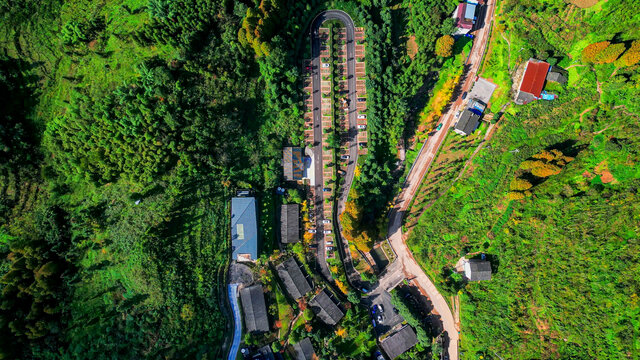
{"x": 406, "y": 263}
{"x": 352, "y": 133}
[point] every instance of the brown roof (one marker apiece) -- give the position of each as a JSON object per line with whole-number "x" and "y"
{"x": 534, "y": 77}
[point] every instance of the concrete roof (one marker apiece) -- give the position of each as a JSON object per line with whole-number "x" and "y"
{"x": 244, "y": 228}
{"x": 401, "y": 341}
{"x": 293, "y": 278}
{"x": 323, "y": 306}
{"x": 254, "y": 308}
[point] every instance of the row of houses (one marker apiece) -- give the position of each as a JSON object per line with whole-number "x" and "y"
{"x": 297, "y": 284}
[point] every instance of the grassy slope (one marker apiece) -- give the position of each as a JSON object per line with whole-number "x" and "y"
{"x": 564, "y": 260}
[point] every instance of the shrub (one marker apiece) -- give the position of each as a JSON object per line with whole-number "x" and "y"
{"x": 590, "y": 53}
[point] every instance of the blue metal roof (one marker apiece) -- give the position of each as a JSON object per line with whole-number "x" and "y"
{"x": 244, "y": 227}
{"x": 470, "y": 11}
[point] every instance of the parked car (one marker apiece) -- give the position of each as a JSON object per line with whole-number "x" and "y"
{"x": 329, "y": 242}
{"x": 362, "y": 99}
{"x": 344, "y": 157}
{"x": 329, "y": 248}
{"x": 374, "y": 309}
{"x": 325, "y": 221}
{"x": 464, "y": 95}
{"x": 312, "y": 231}
{"x": 325, "y": 65}
{"x": 313, "y": 246}
{"x": 327, "y": 232}
{"x": 381, "y": 309}
{"x": 326, "y": 189}
{"x": 380, "y": 318}
{"x": 362, "y": 116}
{"x": 362, "y": 127}
{"x": 439, "y": 127}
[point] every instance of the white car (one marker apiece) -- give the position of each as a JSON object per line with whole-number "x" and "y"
{"x": 362, "y": 116}
{"x": 329, "y": 248}
{"x": 362, "y": 127}
{"x": 326, "y": 221}
{"x": 327, "y": 232}
{"x": 312, "y": 231}
{"x": 325, "y": 65}
{"x": 329, "y": 242}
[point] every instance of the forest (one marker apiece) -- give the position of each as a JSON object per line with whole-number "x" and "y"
{"x": 126, "y": 127}
{"x": 551, "y": 200}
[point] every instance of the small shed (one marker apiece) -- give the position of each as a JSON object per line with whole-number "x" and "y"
{"x": 557, "y": 76}
{"x": 467, "y": 123}
{"x": 477, "y": 270}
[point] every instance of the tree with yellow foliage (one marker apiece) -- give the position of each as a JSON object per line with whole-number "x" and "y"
{"x": 444, "y": 46}
{"x": 591, "y": 52}
{"x": 518, "y": 184}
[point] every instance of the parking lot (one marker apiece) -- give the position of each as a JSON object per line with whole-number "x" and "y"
{"x": 384, "y": 313}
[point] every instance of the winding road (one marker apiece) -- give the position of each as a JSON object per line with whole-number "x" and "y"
{"x": 405, "y": 265}
{"x": 352, "y": 133}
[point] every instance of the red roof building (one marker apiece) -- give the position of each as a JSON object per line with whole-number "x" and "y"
{"x": 532, "y": 83}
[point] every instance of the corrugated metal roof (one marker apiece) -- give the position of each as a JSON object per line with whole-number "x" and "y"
{"x": 470, "y": 11}
{"x": 244, "y": 227}
{"x": 534, "y": 76}
{"x": 293, "y": 164}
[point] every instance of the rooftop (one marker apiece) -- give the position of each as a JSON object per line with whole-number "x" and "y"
{"x": 254, "y": 308}
{"x": 476, "y": 270}
{"x": 244, "y": 229}
{"x": 304, "y": 350}
{"x": 534, "y": 76}
{"x": 460, "y": 20}
{"x": 323, "y": 306}
{"x": 290, "y": 223}
{"x": 467, "y": 123}
{"x": 293, "y": 278}
{"x": 293, "y": 163}
{"x": 396, "y": 344}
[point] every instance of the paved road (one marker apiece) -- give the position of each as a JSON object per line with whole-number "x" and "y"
{"x": 317, "y": 128}
{"x": 405, "y": 264}
{"x": 237, "y": 321}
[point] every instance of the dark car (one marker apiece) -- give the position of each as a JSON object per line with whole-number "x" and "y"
{"x": 464, "y": 95}
{"x": 326, "y": 189}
